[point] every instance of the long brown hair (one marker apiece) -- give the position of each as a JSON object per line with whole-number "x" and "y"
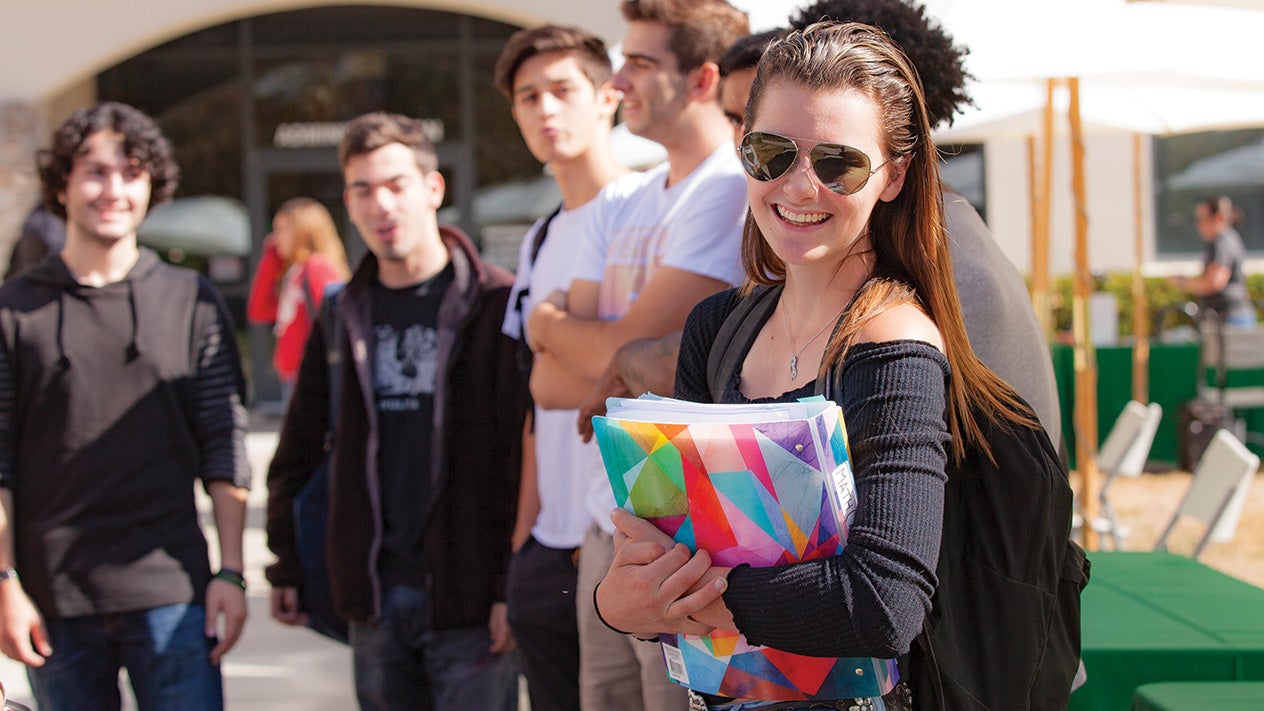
{"x": 911, "y": 259}
{"x": 314, "y": 233}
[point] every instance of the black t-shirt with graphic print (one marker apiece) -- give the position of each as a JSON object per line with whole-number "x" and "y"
{"x": 405, "y": 339}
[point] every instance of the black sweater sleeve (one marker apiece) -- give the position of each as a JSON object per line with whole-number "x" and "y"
{"x": 219, "y": 390}
{"x": 8, "y": 417}
{"x": 871, "y": 600}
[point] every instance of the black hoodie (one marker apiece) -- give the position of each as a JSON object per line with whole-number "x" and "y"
{"x": 113, "y": 400}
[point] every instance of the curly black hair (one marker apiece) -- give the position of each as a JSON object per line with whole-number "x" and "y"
{"x": 143, "y": 143}
{"x": 940, "y": 63}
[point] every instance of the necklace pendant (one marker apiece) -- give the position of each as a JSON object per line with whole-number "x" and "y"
{"x": 794, "y": 367}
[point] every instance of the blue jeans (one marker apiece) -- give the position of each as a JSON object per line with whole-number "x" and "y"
{"x": 1242, "y": 320}
{"x": 400, "y": 663}
{"x": 164, "y": 649}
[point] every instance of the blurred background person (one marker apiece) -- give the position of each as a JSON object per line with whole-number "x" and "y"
{"x": 43, "y": 232}
{"x": 737, "y": 74}
{"x": 1221, "y": 288}
{"x": 301, "y": 256}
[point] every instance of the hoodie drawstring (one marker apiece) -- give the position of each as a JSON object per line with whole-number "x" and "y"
{"x": 133, "y": 348}
{"x": 63, "y": 362}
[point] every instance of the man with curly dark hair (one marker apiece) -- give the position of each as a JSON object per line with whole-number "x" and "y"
{"x": 120, "y": 384}
{"x": 143, "y": 145}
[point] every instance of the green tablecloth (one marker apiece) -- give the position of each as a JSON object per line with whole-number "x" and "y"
{"x": 1153, "y": 617}
{"x": 1173, "y": 373}
{"x": 1197, "y": 696}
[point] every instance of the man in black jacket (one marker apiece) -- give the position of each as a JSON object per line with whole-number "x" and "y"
{"x": 120, "y": 383}
{"x": 426, "y": 456}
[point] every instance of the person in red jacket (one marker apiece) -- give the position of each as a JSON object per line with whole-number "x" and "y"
{"x": 301, "y": 256}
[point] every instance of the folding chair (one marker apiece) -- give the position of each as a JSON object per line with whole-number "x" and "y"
{"x": 1225, "y": 468}
{"x": 1124, "y": 453}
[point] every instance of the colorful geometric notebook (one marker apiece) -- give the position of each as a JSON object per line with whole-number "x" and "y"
{"x": 758, "y": 484}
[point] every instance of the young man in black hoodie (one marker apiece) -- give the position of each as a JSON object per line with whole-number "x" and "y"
{"x": 120, "y": 384}
{"x": 427, "y": 447}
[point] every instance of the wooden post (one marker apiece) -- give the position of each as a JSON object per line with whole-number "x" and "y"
{"x": 1140, "y": 304}
{"x": 1039, "y": 296}
{"x": 1041, "y": 211}
{"x": 1085, "y": 358}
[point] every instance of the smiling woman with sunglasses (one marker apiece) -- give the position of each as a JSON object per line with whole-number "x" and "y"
{"x": 845, "y": 235}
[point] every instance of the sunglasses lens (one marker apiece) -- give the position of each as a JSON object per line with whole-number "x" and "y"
{"x": 767, "y": 156}
{"x": 842, "y": 169}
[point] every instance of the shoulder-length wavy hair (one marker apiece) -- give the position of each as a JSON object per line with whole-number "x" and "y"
{"x": 314, "y": 233}
{"x": 911, "y": 259}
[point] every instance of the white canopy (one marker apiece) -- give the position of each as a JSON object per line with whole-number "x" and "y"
{"x": 1155, "y": 68}
{"x": 207, "y": 225}
{"x": 1241, "y": 166}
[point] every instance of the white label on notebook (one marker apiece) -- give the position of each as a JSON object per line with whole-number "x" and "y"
{"x": 845, "y": 490}
{"x": 675, "y": 664}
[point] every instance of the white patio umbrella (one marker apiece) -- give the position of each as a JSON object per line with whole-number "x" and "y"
{"x": 1125, "y": 65}
{"x": 1110, "y": 104}
{"x": 207, "y": 225}
{"x": 1250, "y": 4}
{"x": 1235, "y": 167}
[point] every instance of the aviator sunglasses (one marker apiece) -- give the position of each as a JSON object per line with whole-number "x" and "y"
{"x": 841, "y": 169}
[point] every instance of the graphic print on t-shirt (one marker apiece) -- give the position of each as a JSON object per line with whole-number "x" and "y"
{"x": 405, "y": 366}
{"x": 634, "y": 255}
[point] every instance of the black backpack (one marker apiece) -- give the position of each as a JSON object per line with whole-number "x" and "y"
{"x": 1004, "y": 627}
{"x": 311, "y": 503}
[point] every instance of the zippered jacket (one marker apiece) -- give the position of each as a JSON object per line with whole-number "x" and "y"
{"x": 480, "y": 403}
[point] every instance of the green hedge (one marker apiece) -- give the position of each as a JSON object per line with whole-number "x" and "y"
{"x": 1159, "y": 293}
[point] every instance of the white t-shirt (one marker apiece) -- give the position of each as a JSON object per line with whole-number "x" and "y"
{"x": 562, "y": 459}
{"x": 637, "y": 225}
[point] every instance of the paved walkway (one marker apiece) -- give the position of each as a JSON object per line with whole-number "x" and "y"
{"x": 273, "y": 667}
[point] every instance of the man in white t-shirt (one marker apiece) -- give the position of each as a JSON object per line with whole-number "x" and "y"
{"x": 558, "y": 80}
{"x": 655, "y": 244}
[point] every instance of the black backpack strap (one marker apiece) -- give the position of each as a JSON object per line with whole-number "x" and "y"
{"x": 736, "y": 335}
{"x": 524, "y": 355}
{"x": 304, "y": 278}
{"x": 543, "y": 233}
{"x": 536, "y": 245}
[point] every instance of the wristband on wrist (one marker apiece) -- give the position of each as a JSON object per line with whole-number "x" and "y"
{"x": 229, "y": 575}
{"x": 9, "y": 573}
{"x": 611, "y": 627}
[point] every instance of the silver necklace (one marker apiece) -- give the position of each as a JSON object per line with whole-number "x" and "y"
{"x": 794, "y": 357}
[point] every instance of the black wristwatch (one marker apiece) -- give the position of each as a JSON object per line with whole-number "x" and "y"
{"x": 234, "y": 577}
